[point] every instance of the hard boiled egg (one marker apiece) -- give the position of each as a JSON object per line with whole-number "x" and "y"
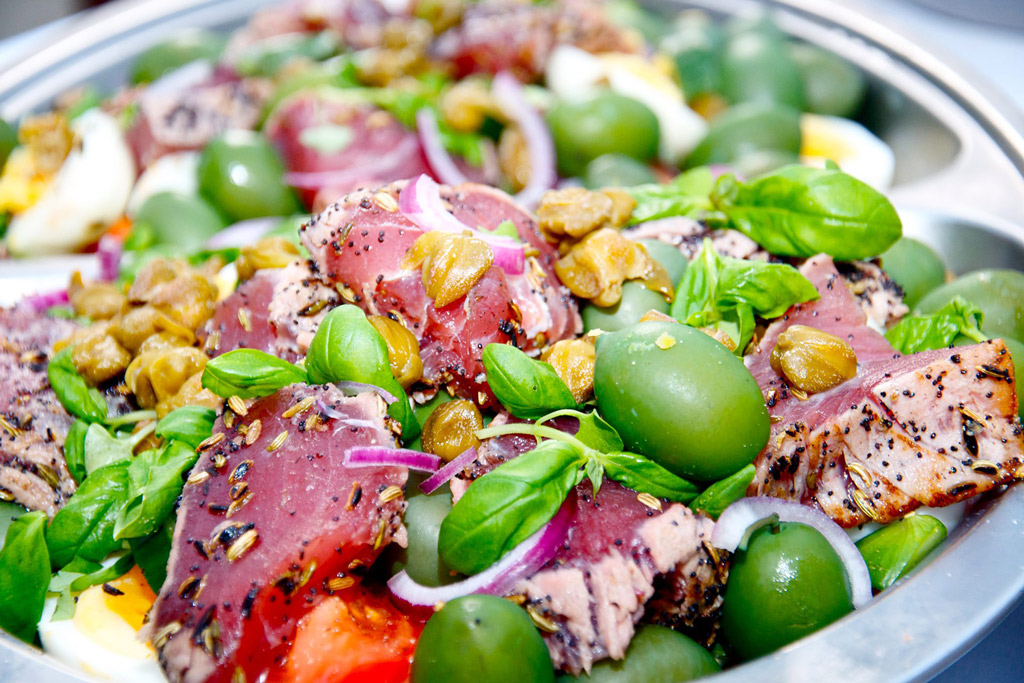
{"x": 102, "y": 639}
{"x": 177, "y": 172}
{"x": 853, "y": 147}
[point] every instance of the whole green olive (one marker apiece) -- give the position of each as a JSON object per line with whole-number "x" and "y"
{"x": 679, "y": 397}
{"x": 756, "y": 67}
{"x": 423, "y": 519}
{"x": 669, "y": 256}
{"x": 915, "y": 267}
{"x": 696, "y": 45}
{"x": 655, "y": 655}
{"x": 636, "y": 300}
{"x": 241, "y": 174}
{"x": 747, "y": 128}
{"x": 616, "y": 170}
{"x": 182, "y": 220}
{"x": 832, "y": 86}
{"x": 998, "y": 293}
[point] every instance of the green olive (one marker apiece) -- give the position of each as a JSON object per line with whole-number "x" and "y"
{"x": 241, "y": 174}
{"x": 655, "y": 655}
{"x": 832, "y": 86}
{"x": 176, "y": 52}
{"x": 481, "y": 638}
{"x": 616, "y": 170}
{"x": 8, "y": 141}
{"x": 998, "y": 293}
{"x": 915, "y": 267}
{"x": 178, "y": 219}
{"x": 636, "y": 300}
{"x": 786, "y": 584}
{"x": 679, "y": 397}
{"x": 748, "y": 128}
{"x": 756, "y": 67}
{"x": 423, "y": 519}
{"x": 606, "y": 123}
{"x": 696, "y": 47}
{"x": 670, "y": 257}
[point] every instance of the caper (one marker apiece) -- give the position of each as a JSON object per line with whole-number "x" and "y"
{"x": 452, "y": 264}
{"x": 269, "y": 252}
{"x": 97, "y": 355}
{"x": 576, "y": 211}
{"x": 597, "y": 265}
{"x": 452, "y": 428}
{"x": 139, "y": 324}
{"x": 191, "y": 393}
{"x": 98, "y": 301}
{"x": 403, "y": 349}
{"x": 813, "y": 360}
{"x": 573, "y": 361}
{"x": 156, "y": 376}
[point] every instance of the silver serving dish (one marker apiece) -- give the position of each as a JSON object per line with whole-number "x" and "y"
{"x": 959, "y": 183}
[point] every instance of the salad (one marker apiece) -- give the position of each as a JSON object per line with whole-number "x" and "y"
{"x": 500, "y": 340}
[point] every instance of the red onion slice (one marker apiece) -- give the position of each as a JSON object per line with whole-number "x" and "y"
{"x": 523, "y": 560}
{"x": 243, "y": 233}
{"x": 420, "y": 202}
{"x": 382, "y": 456}
{"x": 443, "y": 475}
{"x": 108, "y": 254}
{"x": 353, "y": 388}
{"x": 43, "y": 301}
{"x": 441, "y": 163}
{"x": 748, "y": 514}
{"x": 539, "y": 143}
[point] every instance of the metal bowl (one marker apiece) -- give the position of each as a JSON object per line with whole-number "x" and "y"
{"x": 959, "y": 185}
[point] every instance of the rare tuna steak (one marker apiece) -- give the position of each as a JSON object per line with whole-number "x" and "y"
{"x": 269, "y": 522}
{"x": 931, "y": 428}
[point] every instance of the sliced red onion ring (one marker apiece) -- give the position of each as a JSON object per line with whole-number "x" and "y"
{"x": 384, "y": 165}
{"x": 108, "y": 253}
{"x": 441, "y": 162}
{"x": 420, "y": 202}
{"x": 383, "y": 456}
{"x": 44, "y": 301}
{"x": 361, "y": 388}
{"x": 243, "y": 233}
{"x": 523, "y": 560}
{"x": 748, "y": 514}
{"x": 539, "y": 144}
{"x": 443, "y": 475}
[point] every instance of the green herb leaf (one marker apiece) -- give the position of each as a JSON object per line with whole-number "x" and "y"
{"x": 8, "y": 513}
{"x": 24, "y": 575}
{"x": 84, "y": 527}
{"x": 919, "y": 332}
{"x": 895, "y": 549}
{"x": 714, "y": 499}
{"x": 688, "y": 194}
{"x": 801, "y": 211}
{"x": 249, "y": 373}
{"x": 74, "y": 450}
{"x": 102, "y": 449}
{"x": 268, "y": 57}
{"x": 726, "y": 293}
{"x": 646, "y": 476}
{"x": 327, "y": 138}
{"x": 594, "y": 432}
{"x": 595, "y": 473}
{"x": 77, "y": 397}
{"x": 80, "y": 575}
{"x": 189, "y": 424}
{"x": 527, "y": 388}
{"x": 153, "y": 553}
{"x": 155, "y": 482}
{"x": 507, "y": 505}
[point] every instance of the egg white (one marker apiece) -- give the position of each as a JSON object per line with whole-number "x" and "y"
{"x": 853, "y": 147}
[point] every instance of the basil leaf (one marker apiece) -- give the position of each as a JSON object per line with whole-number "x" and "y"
{"x": 686, "y": 195}
{"x": 895, "y": 549}
{"x": 594, "y": 432}
{"x": 507, "y": 505}
{"x": 24, "y": 575}
{"x": 152, "y": 554}
{"x": 646, "y": 476}
{"x": 918, "y": 332}
{"x": 802, "y": 211}
{"x": 84, "y": 527}
{"x": 77, "y": 397}
{"x": 189, "y": 424}
{"x": 267, "y": 58}
{"x": 102, "y": 449}
{"x": 726, "y": 293}
{"x": 595, "y": 473}
{"x": 155, "y": 482}
{"x": 714, "y": 499}
{"x": 8, "y": 513}
{"x": 74, "y": 450}
{"x": 249, "y": 373}
{"x": 527, "y": 388}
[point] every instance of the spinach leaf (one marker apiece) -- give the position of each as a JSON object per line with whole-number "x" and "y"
{"x": 507, "y": 505}
{"x": 74, "y": 450}
{"x": 77, "y": 397}
{"x": 594, "y": 432}
{"x": 155, "y": 480}
{"x": 8, "y": 513}
{"x": 84, "y": 527}
{"x": 249, "y": 373}
{"x": 688, "y": 194}
{"x": 189, "y": 424}
{"x": 646, "y": 476}
{"x": 24, "y": 575}
{"x": 801, "y": 211}
{"x": 725, "y": 293}
{"x": 895, "y": 549}
{"x": 102, "y": 449}
{"x": 527, "y": 388}
{"x": 938, "y": 331}
{"x": 714, "y": 499}
{"x": 80, "y": 575}
{"x": 153, "y": 553}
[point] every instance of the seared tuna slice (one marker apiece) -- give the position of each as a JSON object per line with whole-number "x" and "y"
{"x": 269, "y": 519}
{"x": 619, "y": 552}
{"x": 358, "y": 244}
{"x": 932, "y": 428}
{"x": 33, "y": 422}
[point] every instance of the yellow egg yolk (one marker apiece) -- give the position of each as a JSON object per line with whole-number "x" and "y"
{"x": 112, "y": 617}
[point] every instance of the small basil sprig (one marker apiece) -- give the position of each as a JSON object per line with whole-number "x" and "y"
{"x": 152, "y": 554}
{"x": 714, "y": 499}
{"x": 958, "y": 318}
{"x": 73, "y": 392}
{"x": 249, "y": 373}
{"x": 688, "y": 194}
{"x": 24, "y": 575}
{"x": 895, "y": 549}
{"x": 74, "y": 450}
{"x": 725, "y": 293}
{"x": 101, "y": 448}
{"x": 527, "y": 388}
{"x": 511, "y": 502}
{"x": 190, "y": 424}
{"x": 155, "y": 480}
{"x": 84, "y": 527}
